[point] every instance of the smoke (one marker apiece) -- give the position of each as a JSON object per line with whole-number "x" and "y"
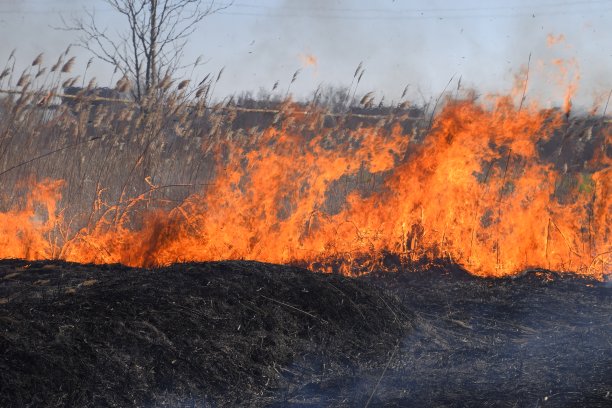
{"x": 425, "y": 44}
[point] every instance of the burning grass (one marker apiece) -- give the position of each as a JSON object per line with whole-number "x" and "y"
{"x": 494, "y": 185}
{"x": 405, "y": 199}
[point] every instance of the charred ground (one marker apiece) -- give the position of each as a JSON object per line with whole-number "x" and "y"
{"x": 222, "y": 334}
{"x": 252, "y": 334}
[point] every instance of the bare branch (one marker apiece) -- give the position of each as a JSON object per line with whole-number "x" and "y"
{"x": 152, "y": 41}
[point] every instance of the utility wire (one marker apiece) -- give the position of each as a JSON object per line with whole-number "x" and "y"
{"x": 518, "y": 10}
{"x": 393, "y": 10}
{"x": 416, "y": 17}
{"x": 528, "y": 6}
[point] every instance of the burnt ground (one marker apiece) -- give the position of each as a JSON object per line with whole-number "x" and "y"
{"x": 251, "y": 334}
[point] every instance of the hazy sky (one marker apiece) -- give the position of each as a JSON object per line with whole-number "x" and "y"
{"x": 421, "y": 43}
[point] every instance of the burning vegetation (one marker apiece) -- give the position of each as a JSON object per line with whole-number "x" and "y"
{"x": 409, "y": 201}
{"x": 493, "y": 184}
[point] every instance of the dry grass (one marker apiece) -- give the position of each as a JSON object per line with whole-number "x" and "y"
{"x": 108, "y": 153}
{"x": 111, "y": 154}
{"x": 117, "y": 157}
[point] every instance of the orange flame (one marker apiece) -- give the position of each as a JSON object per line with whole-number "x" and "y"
{"x": 308, "y": 60}
{"x": 27, "y": 230}
{"x": 570, "y": 77}
{"x": 475, "y": 191}
{"x": 552, "y": 40}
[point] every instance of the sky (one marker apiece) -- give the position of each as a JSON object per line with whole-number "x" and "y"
{"x": 419, "y": 44}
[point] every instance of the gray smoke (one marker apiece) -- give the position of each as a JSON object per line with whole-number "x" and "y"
{"x": 484, "y": 45}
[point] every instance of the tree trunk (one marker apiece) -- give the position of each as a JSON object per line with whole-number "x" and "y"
{"x": 137, "y": 66}
{"x": 153, "y": 50}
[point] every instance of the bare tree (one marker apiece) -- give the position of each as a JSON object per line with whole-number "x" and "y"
{"x": 152, "y": 42}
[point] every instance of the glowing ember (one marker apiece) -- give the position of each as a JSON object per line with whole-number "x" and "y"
{"x": 552, "y": 39}
{"x": 308, "y": 60}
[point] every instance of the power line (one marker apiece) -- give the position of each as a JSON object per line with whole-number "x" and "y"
{"x": 416, "y": 17}
{"x": 437, "y": 9}
{"x": 546, "y": 9}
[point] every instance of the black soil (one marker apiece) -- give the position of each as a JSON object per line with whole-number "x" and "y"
{"x": 214, "y": 334}
{"x": 251, "y": 334}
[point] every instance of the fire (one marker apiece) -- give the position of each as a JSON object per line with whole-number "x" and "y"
{"x": 309, "y": 60}
{"x": 570, "y": 77}
{"x": 27, "y": 230}
{"x": 552, "y": 39}
{"x": 476, "y": 190}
